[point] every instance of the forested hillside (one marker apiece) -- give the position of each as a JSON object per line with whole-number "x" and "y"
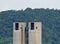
{"x": 50, "y": 19}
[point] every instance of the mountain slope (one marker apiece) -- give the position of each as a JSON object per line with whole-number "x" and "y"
{"x": 50, "y": 19}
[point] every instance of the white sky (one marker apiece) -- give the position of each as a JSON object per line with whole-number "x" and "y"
{"x": 23, "y": 4}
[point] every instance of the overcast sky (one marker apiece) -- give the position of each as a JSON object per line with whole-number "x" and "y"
{"x": 23, "y": 4}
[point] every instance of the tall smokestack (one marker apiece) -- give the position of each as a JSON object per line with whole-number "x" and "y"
{"x": 19, "y": 32}
{"x": 35, "y": 33}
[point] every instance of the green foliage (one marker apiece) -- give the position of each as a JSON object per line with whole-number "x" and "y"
{"x": 6, "y": 41}
{"x": 50, "y": 19}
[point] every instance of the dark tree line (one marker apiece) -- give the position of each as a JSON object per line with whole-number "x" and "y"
{"x": 50, "y": 19}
